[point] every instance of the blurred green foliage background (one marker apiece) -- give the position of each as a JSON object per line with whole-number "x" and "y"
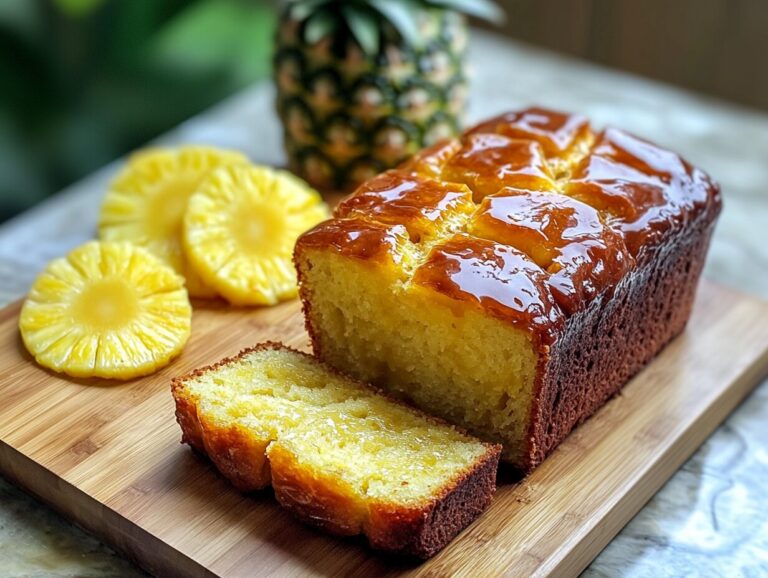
{"x": 84, "y": 81}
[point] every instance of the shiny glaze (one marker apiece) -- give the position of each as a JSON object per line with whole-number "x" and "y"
{"x": 647, "y": 191}
{"x": 430, "y": 161}
{"x": 357, "y": 239}
{"x": 556, "y": 132}
{"x": 490, "y": 162}
{"x": 499, "y": 279}
{"x": 420, "y": 204}
{"x": 561, "y": 235}
{"x": 529, "y": 257}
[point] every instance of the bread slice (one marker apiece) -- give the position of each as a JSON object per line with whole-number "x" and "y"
{"x": 340, "y": 455}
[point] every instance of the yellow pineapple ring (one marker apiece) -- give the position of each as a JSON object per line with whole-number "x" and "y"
{"x": 240, "y": 229}
{"x": 106, "y": 310}
{"x": 145, "y": 203}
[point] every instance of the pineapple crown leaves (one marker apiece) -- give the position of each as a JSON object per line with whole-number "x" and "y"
{"x": 322, "y": 18}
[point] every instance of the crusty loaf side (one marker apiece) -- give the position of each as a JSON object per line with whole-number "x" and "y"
{"x": 512, "y": 280}
{"x": 233, "y": 450}
{"x": 422, "y": 532}
{"x": 602, "y": 347}
{"x": 426, "y": 532}
{"x": 321, "y": 498}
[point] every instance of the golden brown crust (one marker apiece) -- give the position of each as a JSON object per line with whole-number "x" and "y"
{"x": 186, "y": 416}
{"x": 421, "y": 530}
{"x": 602, "y": 347}
{"x": 489, "y": 162}
{"x": 416, "y": 202}
{"x": 558, "y": 133}
{"x": 646, "y": 193}
{"x": 514, "y": 287}
{"x": 317, "y": 498}
{"x": 238, "y": 454}
{"x": 565, "y": 237}
{"x": 360, "y": 239}
{"x": 322, "y": 500}
{"x": 425, "y": 531}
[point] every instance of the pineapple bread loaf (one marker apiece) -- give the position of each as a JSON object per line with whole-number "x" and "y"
{"x": 340, "y": 455}
{"x": 511, "y": 281}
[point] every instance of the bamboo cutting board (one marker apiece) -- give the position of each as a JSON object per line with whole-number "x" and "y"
{"x": 108, "y": 457}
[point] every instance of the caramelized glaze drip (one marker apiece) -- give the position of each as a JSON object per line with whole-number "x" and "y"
{"x": 647, "y": 191}
{"x": 534, "y": 250}
{"x": 556, "y": 132}
{"x": 422, "y": 205}
{"x": 498, "y": 278}
{"x": 489, "y": 162}
{"x": 565, "y": 237}
{"x": 430, "y": 161}
{"x": 359, "y": 239}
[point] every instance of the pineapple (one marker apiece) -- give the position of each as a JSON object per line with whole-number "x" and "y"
{"x": 240, "y": 228}
{"x": 146, "y": 202}
{"x": 363, "y": 84}
{"x": 109, "y": 310}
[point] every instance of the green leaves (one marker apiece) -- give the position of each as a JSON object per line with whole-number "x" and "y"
{"x": 364, "y": 18}
{"x": 402, "y": 14}
{"x": 302, "y": 9}
{"x": 393, "y": 10}
{"x": 483, "y": 9}
{"x": 363, "y": 27}
{"x": 319, "y": 25}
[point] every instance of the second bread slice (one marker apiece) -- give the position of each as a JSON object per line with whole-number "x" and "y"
{"x": 339, "y": 454}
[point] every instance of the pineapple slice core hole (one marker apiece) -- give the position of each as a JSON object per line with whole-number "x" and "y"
{"x": 106, "y": 304}
{"x": 258, "y": 227}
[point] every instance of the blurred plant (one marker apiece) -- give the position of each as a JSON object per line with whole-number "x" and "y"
{"x": 84, "y": 81}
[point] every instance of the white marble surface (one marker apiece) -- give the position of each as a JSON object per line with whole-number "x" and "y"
{"x": 710, "y": 519}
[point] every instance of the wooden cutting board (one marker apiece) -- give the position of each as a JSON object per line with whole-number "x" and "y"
{"x": 108, "y": 457}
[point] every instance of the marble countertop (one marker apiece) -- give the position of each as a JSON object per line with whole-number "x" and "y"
{"x": 710, "y": 519}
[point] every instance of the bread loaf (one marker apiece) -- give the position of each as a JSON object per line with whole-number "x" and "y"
{"x": 511, "y": 281}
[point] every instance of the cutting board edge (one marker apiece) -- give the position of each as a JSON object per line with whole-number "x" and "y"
{"x": 589, "y": 545}
{"x": 95, "y": 517}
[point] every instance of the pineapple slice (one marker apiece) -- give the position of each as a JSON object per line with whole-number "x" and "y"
{"x": 106, "y": 310}
{"x": 146, "y": 202}
{"x": 240, "y": 229}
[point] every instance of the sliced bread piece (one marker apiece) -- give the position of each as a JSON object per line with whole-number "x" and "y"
{"x": 340, "y": 455}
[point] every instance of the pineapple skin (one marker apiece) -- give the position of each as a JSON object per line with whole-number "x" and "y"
{"x": 347, "y": 116}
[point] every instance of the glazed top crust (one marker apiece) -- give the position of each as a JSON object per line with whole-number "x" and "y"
{"x": 529, "y": 216}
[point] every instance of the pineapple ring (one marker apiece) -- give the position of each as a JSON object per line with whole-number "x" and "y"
{"x": 108, "y": 310}
{"x": 145, "y": 204}
{"x": 240, "y": 229}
